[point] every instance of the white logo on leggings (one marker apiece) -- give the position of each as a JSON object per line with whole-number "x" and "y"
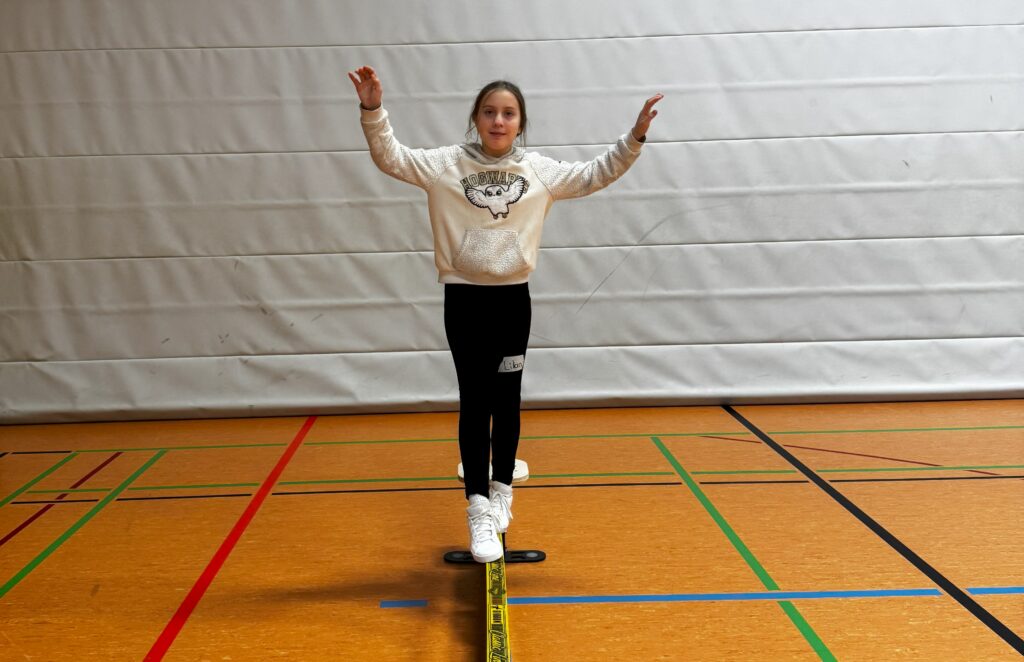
{"x": 512, "y": 363}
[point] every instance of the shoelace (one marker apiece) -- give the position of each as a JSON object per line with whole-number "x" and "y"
{"x": 483, "y": 527}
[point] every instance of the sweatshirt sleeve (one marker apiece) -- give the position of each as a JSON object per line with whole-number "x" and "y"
{"x": 420, "y": 167}
{"x": 575, "y": 180}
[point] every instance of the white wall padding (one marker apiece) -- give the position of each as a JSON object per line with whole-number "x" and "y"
{"x": 830, "y": 205}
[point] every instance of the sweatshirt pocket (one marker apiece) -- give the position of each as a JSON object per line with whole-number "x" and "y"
{"x": 491, "y": 252}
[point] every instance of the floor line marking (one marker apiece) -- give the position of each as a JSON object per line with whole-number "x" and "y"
{"x": 367, "y": 491}
{"x": 628, "y": 435}
{"x": 731, "y": 472}
{"x": 972, "y": 428}
{"x": 798, "y": 481}
{"x": 802, "y": 481}
{"x": 997, "y": 590}
{"x": 400, "y": 604}
{"x": 839, "y": 452}
{"x": 460, "y": 488}
{"x": 42, "y": 511}
{"x": 43, "y": 502}
{"x": 42, "y": 556}
{"x": 347, "y": 481}
{"x": 202, "y": 447}
{"x": 951, "y": 589}
{"x": 851, "y": 470}
{"x": 773, "y": 596}
{"x": 14, "y": 495}
{"x": 40, "y": 452}
{"x": 794, "y": 615}
{"x": 188, "y": 605}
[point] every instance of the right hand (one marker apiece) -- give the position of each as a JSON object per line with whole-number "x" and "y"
{"x": 367, "y": 87}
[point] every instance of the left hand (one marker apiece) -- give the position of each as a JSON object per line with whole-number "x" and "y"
{"x": 643, "y": 121}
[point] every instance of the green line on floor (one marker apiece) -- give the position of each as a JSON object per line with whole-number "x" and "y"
{"x": 791, "y": 611}
{"x": 14, "y": 495}
{"x": 343, "y": 481}
{"x": 629, "y": 435}
{"x": 203, "y": 447}
{"x": 107, "y": 500}
{"x": 415, "y": 479}
{"x": 859, "y": 470}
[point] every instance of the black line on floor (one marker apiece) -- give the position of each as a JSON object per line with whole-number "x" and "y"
{"x": 951, "y": 589}
{"x": 753, "y": 482}
{"x": 561, "y": 485}
{"x": 34, "y": 503}
{"x": 380, "y": 490}
{"x": 40, "y": 452}
{"x": 897, "y": 480}
{"x": 184, "y": 496}
{"x": 383, "y": 490}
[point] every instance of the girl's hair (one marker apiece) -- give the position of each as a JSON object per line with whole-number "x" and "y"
{"x": 483, "y": 94}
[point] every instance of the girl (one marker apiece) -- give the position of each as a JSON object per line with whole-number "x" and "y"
{"x": 487, "y": 203}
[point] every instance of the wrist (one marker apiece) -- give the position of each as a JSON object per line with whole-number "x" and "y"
{"x": 640, "y": 139}
{"x": 366, "y": 108}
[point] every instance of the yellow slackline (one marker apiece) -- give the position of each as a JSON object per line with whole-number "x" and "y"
{"x": 499, "y": 647}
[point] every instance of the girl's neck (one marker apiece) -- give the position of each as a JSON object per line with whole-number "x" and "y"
{"x": 483, "y": 148}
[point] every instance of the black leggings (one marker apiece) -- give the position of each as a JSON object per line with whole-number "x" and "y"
{"x": 487, "y": 328}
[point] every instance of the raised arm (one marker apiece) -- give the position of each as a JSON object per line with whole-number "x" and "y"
{"x": 420, "y": 167}
{"x": 575, "y": 180}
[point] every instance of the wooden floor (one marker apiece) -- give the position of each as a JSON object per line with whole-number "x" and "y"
{"x": 671, "y": 534}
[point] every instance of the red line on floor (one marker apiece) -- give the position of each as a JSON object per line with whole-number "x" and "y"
{"x": 42, "y": 511}
{"x": 177, "y": 622}
{"x": 39, "y": 513}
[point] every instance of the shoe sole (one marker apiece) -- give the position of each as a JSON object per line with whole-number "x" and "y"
{"x": 483, "y": 559}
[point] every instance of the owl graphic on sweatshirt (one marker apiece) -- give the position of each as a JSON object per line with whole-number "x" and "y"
{"x": 497, "y": 197}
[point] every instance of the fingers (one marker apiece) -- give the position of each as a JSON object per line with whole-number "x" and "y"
{"x": 367, "y": 86}
{"x": 643, "y": 122}
{"x": 653, "y": 100}
{"x": 368, "y": 73}
{"x": 363, "y": 74}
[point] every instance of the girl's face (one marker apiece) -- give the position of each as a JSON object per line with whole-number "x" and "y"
{"x": 497, "y": 122}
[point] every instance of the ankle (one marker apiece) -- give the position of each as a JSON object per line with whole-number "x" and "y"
{"x": 501, "y": 488}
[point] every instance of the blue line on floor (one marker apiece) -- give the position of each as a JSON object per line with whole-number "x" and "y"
{"x": 398, "y": 604}
{"x": 997, "y": 590}
{"x": 714, "y": 597}
{"x": 719, "y": 597}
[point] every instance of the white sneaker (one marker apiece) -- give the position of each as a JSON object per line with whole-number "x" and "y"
{"x": 501, "y": 505}
{"x": 483, "y": 537}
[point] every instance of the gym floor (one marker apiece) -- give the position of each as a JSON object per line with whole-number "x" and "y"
{"x": 846, "y": 531}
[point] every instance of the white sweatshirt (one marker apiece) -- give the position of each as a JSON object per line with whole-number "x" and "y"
{"x": 487, "y": 213}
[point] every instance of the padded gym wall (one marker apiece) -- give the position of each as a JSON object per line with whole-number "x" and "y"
{"x": 829, "y": 206}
